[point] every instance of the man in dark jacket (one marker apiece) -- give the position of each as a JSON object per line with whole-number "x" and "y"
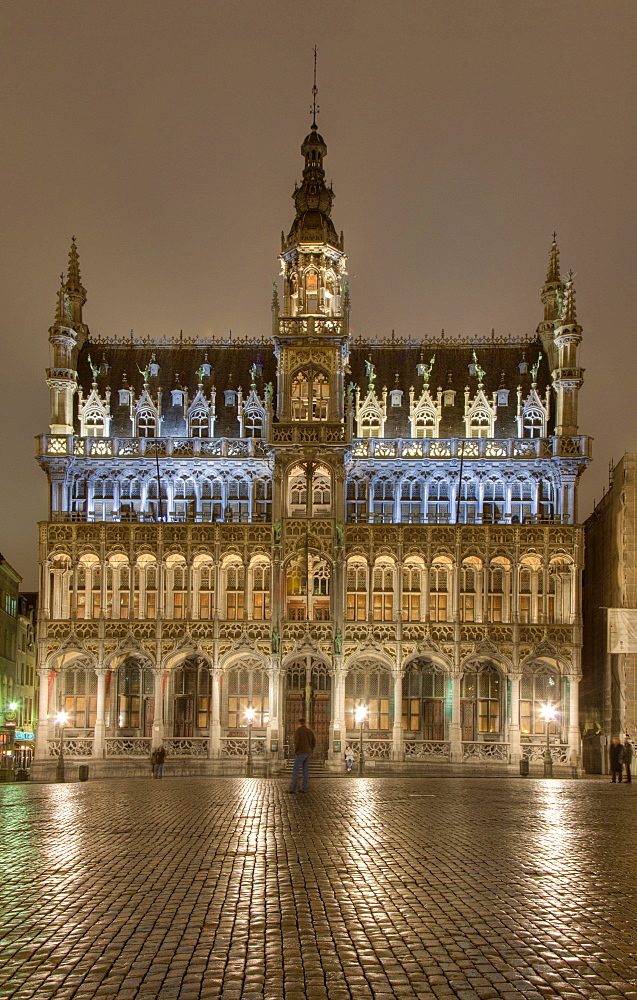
{"x": 628, "y": 757}
{"x": 615, "y": 756}
{"x": 304, "y": 743}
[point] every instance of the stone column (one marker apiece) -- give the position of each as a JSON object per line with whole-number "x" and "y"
{"x": 100, "y": 714}
{"x": 272, "y": 728}
{"x": 515, "y": 748}
{"x": 158, "y": 717}
{"x": 397, "y": 750}
{"x": 214, "y": 736}
{"x": 42, "y": 731}
{"x": 455, "y": 729}
{"x": 574, "y": 738}
{"x": 338, "y": 704}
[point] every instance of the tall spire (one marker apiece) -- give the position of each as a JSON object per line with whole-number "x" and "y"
{"x": 315, "y": 107}
{"x": 62, "y": 310}
{"x": 75, "y": 291}
{"x": 553, "y": 270}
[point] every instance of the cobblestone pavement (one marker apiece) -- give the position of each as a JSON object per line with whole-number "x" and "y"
{"x": 362, "y": 888}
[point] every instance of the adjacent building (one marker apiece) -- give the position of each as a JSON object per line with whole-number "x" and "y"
{"x": 609, "y": 683}
{"x": 311, "y": 523}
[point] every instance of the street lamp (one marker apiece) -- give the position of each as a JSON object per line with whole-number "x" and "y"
{"x": 361, "y": 715}
{"x": 548, "y": 713}
{"x": 61, "y": 719}
{"x": 249, "y": 717}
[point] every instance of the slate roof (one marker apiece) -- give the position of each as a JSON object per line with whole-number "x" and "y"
{"x": 396, "y": 367}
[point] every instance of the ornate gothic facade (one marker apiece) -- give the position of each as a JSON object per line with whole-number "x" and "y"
{"x": 311, "y": 522}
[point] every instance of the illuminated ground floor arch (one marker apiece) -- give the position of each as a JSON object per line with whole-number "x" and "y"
{"x": 429, "y": 706}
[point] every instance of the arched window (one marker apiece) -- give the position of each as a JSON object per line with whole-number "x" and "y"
{"x": 536, "y": 691}
{"x": 235, "y": 584}
{"x": 425, "y": 690}
{"x": 296, "y": 589}
{"x": 383, "y": 592}
{"x": 356, "y": 500}
{"x": 438, "y": 501}
{"x": 356, "y": 591}
{"x": 79, "y": 697}
{"x": 368, "y": 684}
{"x": 320, "y": 491}
{"x": 262, "y": 500}
{"x": 410, "y": 501}
{"x": 146, "y": 423}
{"x": 533, "y": 422}
{"x": 135, "y": 703}
{"x": 261, "y": 591}
{"x": 370, "y": 423}
{"x": 480, "y": 424}
{"x": 204, "y": 585}
{"x": 253, "y": 420}
{"x": 176, "y": 587}
{"x": 470, "y": 589}
{"x": 199, "y": 421}
{"x": 89, "y": 584}
{"x": 146, "y": 586}
{"x": 440, "y": 589}
{"x": 383, "y": 500}
{"x": 493, "y": 501}
{"x": 560, "y": 597}
{"x": 426, "y": 424}
{"x": 320, "y": 593}
{"x": 119, "y": 596}
{"x": 498, "y": 607}
{"x": 247, "y": 688}
{"x": 94, "y": 424}
{"x": 310, "y": 395}
{"x": 529, "y": 590}
{"x": 192, "y": 694}
{"x": 480, "y": 708}
{"x": 412, "y": 591}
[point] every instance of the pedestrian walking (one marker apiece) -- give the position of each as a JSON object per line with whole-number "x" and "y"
{"x": 157, "y": 761}
{"x": 349, "y": 757}
{"x": 304, "y": 743}
{"x": 628, "y": 756}
{"x": 615, "y": 756}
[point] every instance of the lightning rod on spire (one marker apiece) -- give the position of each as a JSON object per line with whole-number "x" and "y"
{"x": 315, "y": 107}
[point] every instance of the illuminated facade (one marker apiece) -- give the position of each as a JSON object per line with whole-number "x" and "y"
{"x": 309, "y": 522}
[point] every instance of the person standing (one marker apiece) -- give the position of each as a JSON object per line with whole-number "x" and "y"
{"x": 158, "y": 758}
{"x": 628, "y": 757}
{"x": 304, "y": 743}
{"x": 615, "y": 755}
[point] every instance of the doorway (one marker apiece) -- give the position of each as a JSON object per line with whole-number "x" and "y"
{"x": 308, "y": 693}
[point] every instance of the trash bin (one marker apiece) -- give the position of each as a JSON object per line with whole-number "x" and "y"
{"x": 83, "y": 775}
{"x": 524, "y": 768}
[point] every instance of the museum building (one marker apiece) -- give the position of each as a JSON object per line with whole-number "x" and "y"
{"x": 244, "y": 531}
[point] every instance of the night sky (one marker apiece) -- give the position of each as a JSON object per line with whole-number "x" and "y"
{"x": 165, "y": 135}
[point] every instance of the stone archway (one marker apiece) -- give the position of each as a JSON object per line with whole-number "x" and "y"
{"x": 308, "y": 694}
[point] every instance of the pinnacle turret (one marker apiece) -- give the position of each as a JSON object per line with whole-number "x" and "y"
{"x": 569, "y": 312}
{"x": 73, "y": 281}
{"x": 62, "y": 309}
{"x": 553, "y": 270}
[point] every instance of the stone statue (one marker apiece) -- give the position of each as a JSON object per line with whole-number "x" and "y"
{"x": 338, "y": 642}
{"x": 339, "y": 533}
{"x": 276, "y": 532}
{"x": 276, "y": 641}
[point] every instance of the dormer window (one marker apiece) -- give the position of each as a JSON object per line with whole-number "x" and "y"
{"x": 177, "y": 397}
{"x": 449, "y": 397}
{"x": 396, "y": 397}
{"x": 503, "y": 397}
{"x": 523, "y": 368}
{"x": 199, "y": 424}
{"x": 124, "y": 397}
{"x": 146, "y": 424}
{"x": 205, "y": 370}
{"x": 230, "y": 397}
{"x": 153, "y": 367}
{"x": 480, "y": 424}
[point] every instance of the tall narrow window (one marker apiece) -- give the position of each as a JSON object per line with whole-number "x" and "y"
{"x": 412, "y": 587}
{"x": 356, "y": 592}
{"x": 440, "y": 590}
{"x": 261, "y": 591}
{"x": 383, "y": 593}
{"x": 234, "y": 591}
{"x": 310, "y": 395}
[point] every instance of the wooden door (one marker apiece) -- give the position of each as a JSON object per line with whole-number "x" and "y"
{"x": 433, "y": 722}
{"x": 294, "y": 709}
{"x": 184, "y": 716}
{"x": 149, "y": 715}
{"x": 320, "y": 722}
{"x": 467, "y": 723}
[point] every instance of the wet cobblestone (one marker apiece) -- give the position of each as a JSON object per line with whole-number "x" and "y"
{"x": 231, "y": 889}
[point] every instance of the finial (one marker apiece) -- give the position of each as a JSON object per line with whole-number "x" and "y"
{"x": 569, "y": 315}
{"x": 315, "y": 107}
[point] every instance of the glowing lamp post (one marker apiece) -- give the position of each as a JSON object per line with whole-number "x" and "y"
{"x": 61, "y": 719}
{"x": 361, "y": 715}
{"x": 249, "y": 717}
{"x": 548, "y": 713}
